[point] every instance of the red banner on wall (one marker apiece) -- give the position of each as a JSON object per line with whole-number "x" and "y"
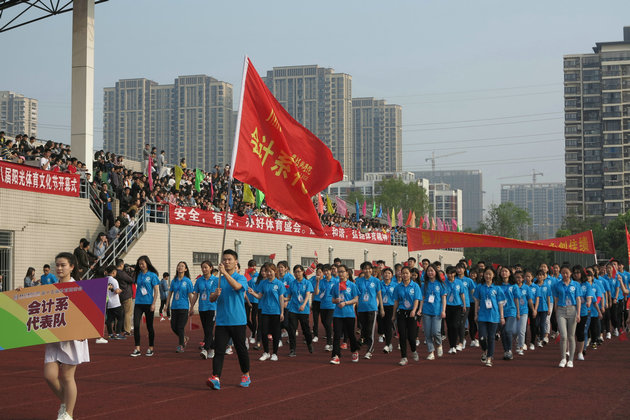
{"x": 418, "y": 239}
{"x": 196, "y": 217}
{"x": 27, "y": 178}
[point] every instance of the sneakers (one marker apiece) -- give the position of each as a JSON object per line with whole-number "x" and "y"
{"x": 403, "y": 361}
{"x": 387, "y": 349}
{"x": 368, "y": 355}
{"x": 452, "y": 350}
{"x": 355, "y": 356}
{"x": 179, "y": 349}
{"x": 531, "y": 346}
{"x": 292, "y": 353}
{"x": 616, "y": 332}
{"x": 489, "y": 362}
{"x": 315, "y": 339}
{"x": 415, "y": 356}
{"x": 284, "y": 334}
{"x": 162, "y": 318}
{"x": 64, "y": 416}
{"x": 474, "y": 343}
{"x": 380, "y": 339}
{"x": 580, "y": 356}
{"x": 229, "y": 350}
{"x": 459, "y": 347}
{"x": 344, "y": 346}
{"x": 204, "y": 354}
{"x": 265, "y": 356}
{"x": 335, "y": 360}
{"x": 211, "y": 354}
{"x": 149, "y": 353}
{"x": 274, "y": 358}
{"x": 62, "y": 409}
{"x": 120, "y": 337}
{"x": 440, "y": 352}
{"x": 245, "y": 381}
{"x": 135, "y": 353}
{"x": 562, "y": 363}
{"x": 280, "y": 343}
{"x": 418, "y": 342}
{"x": 431, "y": 356}
{"x": 328, "y": 347}
{"x": 484, "y": 357}
{"x": 508, "y": 355}
{"x": 545, "y": 340}
{"x": 463, "y": 345}
{"x": 252, "y": 340}
{"x": 570, "y": 364}
{"x": 213, "y": 382}
{"x": 541, "y": 344}
{"x": 101, "y": 340}
{"x": 520, "y": 352}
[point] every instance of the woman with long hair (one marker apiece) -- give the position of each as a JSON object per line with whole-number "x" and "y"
{"x": 29, "y": 278}
{"x": 511, "y": 311}
{"x": 62, "y": 358}
{"x": 533, "y": 289}
{"x": 433, "y": 310}
{"x": 489, "y": 301}
{"x": 596, "y": 312}
{"x": 315, "y": 305}
{"x": 566, "y": 295}
{"x": 178, "y": 300}
{"x": 407, "y": 305}
{"x": 270, "y": 293}
{"x": 327, "y": 306}
{"x": 147, "y": 294}
{"x": 455, "y": 309}
{"x": 388, "y": 287}
{"x": 587, "y": 295}
{"x": 204, "y": 286}
{"x": 345, "y": 296}
{"x": 522, "y": 293}
{"x": 542, "y": 303}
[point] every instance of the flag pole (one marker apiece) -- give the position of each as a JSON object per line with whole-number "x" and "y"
{"x": 233, "y": 160}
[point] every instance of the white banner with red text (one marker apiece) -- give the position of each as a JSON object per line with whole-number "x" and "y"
{"x": 28, "y": 178}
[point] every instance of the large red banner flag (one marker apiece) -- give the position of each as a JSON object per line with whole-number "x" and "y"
{"x": 277, "y": 155}
{"x": 418, "y": 239}
{"x": 628, "y": 242}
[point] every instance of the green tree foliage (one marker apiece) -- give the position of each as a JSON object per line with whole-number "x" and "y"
{"x": 507, "y": 220}
{"x": 394, "y": 193}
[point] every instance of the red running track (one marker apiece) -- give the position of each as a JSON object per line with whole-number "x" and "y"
{"x": 171, "y": 385}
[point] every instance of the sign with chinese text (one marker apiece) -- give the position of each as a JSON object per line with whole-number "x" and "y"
{"x": 197, "y": 217}
{"x": 51, "y": 313}
{"x": 418, "y": 239}
{"x": 27, "y": 178}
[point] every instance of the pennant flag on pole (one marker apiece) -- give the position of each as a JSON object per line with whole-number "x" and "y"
{"x": 329, "y": 206}
{"x": 455, "y": 225}
{"x": 260, "y": 196}
{"x": 421, "y": 223}
{"x": 373, "y": 209}
{"x": 393, "y": 217}
{"x": 426, "y": 218}
{"x": 199, "y": 177}
{"x": 150, "y": 173}
{"x": 320, "y": 203}
{"x": 342, "y": 207}
{"x": 248, "y": 195}
{"x": 432, "y": 223}
{"x": 356, "y": 213}
{"x": 409, "y": 219}
{"x": 364, "y": 208}
{"x": 413, "y": 220}
{"x": 211, "y": 190}
{"x": 400, "y": 216}
{"x": 389, "y": 220}
{"x": 178, "y": 176}
{"x": 380, "y": 211}
{"x": 275, "y": 154}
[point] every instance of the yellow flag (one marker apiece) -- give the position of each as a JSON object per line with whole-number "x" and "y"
{"x": 393, "y": 217}
{"x": 178, "y": 176}
{"x": 329, "y": 206}
{"x": 248, "y": 195}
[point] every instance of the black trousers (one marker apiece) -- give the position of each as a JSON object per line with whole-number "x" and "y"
{"x": 138, "y": 310}
{"x": 472, "y": 324}
{"x": 293, "y": 324}
{"x": 407, "y": 331}
{"x": 594, "y": 330}
{"x": 162, "y": 305}
{"x": 579, "y": 329}
{"x": 461, "y": 333}
{"x": 453, "y": 320}
{"x": 387, "y": 324}
{"x": 207, "y": 322}
{"x": 222, "y": 336}
{"x": 605, "y": 321}
{"x": 270, "y": 324}
{"x": 533, "y": 327}
{"x": 315, "y": 310}
{"x": 343, "y": 326}
{"x": 252, "y": 318}
{"x": 615, "y": 314}
{"x": 179, "y": 318}
{"x": 327, "y": 320}
{"x": 115, "y": 316}
{"x": 284, "y": 325}
{"x": 368, "y": 327}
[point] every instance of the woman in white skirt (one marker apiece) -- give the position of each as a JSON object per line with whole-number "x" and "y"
{"x": 62, "y": 358}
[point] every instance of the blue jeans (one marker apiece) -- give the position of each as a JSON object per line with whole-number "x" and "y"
{"x": 507, "y": 332}
{"x": 487, "y": 331}
{"x": 432, "y": 325}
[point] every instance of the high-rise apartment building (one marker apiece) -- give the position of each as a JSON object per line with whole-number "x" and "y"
{"x": 447, "y": 205}
{"x": 377, "y": 130}
{"x": 597, "y": 130}
{"x": 543, "y": 201}
{"x": 321, "y": 100}
{"x": 18, "y": 114}
{"x": 191, "y": 118}
{"x": 471, "y": 184}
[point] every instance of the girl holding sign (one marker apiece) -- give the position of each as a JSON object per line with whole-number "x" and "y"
{"x": 182, "y": 294}
{"x": 147, "y": 294}
{"x": 62, "y": 358}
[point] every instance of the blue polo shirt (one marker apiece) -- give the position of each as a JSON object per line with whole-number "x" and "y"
{"x": 566, "y": 295}
{"x": 145, "y": 282}
{"x": 542, "y": 293}
{"x": 586, "y": 290}
{"x": 314, "y": 281}
{"x": 470, "y": 285}
{"x": 454, "y": 291}
{"x": 298, "y": 290}
{"x": 252, "y": 283}
{"x": 350, "y": 293}
{"x": 368, "y": 289}
{"x": 231, "y": 303}
{"x": 49, "y": 278}
{"x": 598, "y": 291}
{"x": 387, "y": 292}
{"x": 272, "y": 292}
{"x": 181, "y": 288}
{"x": 432, "y": 293}
{"x": 509, "y": 309}
{"x": 203, "y": 287}
{"x": 287, "y": 280}
{"x": 325, "y": 294}
{"x": 405, "y": 295}
{"x": 523, "y": 294}
{"x": 489, "y": 297}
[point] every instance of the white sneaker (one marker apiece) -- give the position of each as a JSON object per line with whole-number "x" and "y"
{"x": 440, "y": 352}
{"x": 101, "y": 340}
{"x": 252, "y": 340}
{"x": 463, "y": 345}
{"x": 380, "y": 339}
{"x": 563, "y": 363}
{"x": 280, "y": 343}
{"x": 265, "y": 356}
{"x": 570, "y": 364}
{"x": 211, "y": 354}
{"x": 162, "y": 318}
{"x": 608, "y": 336}
{"x": 204, "y": 354}
{"x": 459, "y": 347}
{"x": 62, "y": 409}
{"x": 431, "y": 356}
{"x": 415, "y": 356}
{"x": 328, "y": 347}
{"x": 65, "y": 416}
{"x": 417, "y": 342}
{"x": 386, "y": 349}
{"x": 368, "y": 355}
{"x": 315, "y": 339}
{"x": 616, "y": 332}
{"x": 284, "y": 334}
{"x": 532, "y": 347}
{"x": 452, "y": 350}
{"x": 247, "y": 344}
{"x": 391, "y": 348}
{"x": 524, "y": 348}
{"x": 274, "y": 357}
{"x": 403, "y": 361}
{"x": 229, "y": 350}
{"x": 520, "y": 352}
{"x": 580, "y": 356}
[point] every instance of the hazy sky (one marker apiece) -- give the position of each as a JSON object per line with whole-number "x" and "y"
{"x": 481, "y": 78}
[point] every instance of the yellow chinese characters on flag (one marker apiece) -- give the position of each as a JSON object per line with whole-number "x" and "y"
{"x": 277, "y": 155}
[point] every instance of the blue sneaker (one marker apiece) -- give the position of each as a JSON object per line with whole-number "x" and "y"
{"x": 213, "y": 382}
{"x": 245, "y": 381}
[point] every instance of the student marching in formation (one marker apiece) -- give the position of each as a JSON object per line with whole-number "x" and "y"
{"x": 147, "y": 294}
{"x": 299, "y": 295}
{"x": 433, "y": 310}
{"x": 407, "y": 305}
{"x": 388, "y": 287}
{"x": 344, "y": 296}
{"x": 489, "y": 301}
{"x": 327, "y": 306}
{"x": 455, "y": 309}
{"x": 179, "y": 301}
{"x": 204, "y": 286}
{"x": 370, "y": 300}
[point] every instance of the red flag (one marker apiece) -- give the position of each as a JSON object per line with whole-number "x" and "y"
{"x": 320, "y": 204}
{"x": 421, "y": 224}
{"x": 150, "y": 173}
{"x": 469, "y": 262}
{"x": 248, "y": 273}
{"x": 272, "y": 257}
{"x": 276, "y": 155}
{"x": 342, "y": 286}
{"x": 409, "y": 219}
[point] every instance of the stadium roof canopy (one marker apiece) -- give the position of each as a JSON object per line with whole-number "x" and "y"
{"x": 16, "y": 13}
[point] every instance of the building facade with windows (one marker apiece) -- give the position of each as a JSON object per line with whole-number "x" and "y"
{"x": 18, "y": 114}
{"x": 597, "y": 130}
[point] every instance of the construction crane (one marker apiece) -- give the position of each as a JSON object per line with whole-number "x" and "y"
{"x": 534, "y": 174}
{"x": 433, "y": 157}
